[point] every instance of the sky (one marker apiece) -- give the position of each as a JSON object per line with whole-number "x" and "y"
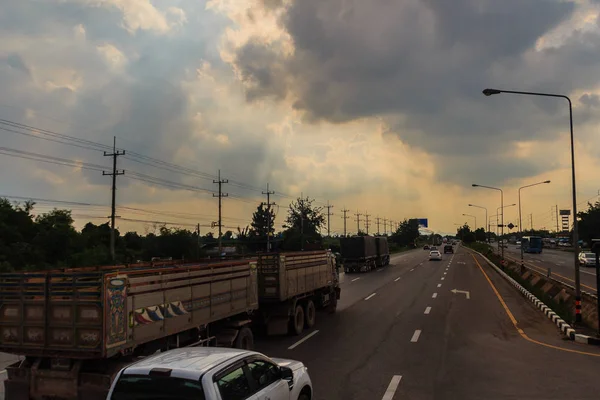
{"x": 374, "y": 107}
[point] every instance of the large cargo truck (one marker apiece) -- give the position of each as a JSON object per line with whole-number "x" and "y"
{"x": 77, "y": 328}
{"x": 292, "y": 286}
{"x": 359, "y": 253}
{"x": 383, "y": 251}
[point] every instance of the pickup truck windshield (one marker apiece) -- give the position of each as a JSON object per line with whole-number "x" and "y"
{"x": 138, "y": 387}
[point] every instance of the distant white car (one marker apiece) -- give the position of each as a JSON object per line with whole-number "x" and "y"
{"x": 212, "y": 373}
{"x": 435, "y": 255}
{"x": 587, "y": 259}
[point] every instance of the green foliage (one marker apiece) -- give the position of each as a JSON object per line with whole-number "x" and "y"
{"x": 303, "y": 224}
{"x": 589, "y": 223}
{"x": 263, "y": 225}
{"x": 407, "y": 233}
{"x": 465, "y": 234}
{"x": 480, "y": 235}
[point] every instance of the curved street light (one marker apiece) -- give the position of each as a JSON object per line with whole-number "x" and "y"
{"x": 487, "y": 227}
{"x": 501, "y": 206}
{"x": 489, "y": 92}
{"x": 474, "y": 217}
{"x": 521, "y": 222}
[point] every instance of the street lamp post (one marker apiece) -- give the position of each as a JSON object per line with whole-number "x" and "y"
{"x": 486, "y": 218}
{"x": 498, "y": 214}
{"x": 474, "y": 217}
{"x": 489, "y": 92}
{"x": 501, "y": 206}
{"x": 521, "y": 221}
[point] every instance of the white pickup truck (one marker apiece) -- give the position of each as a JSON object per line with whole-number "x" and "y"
{"x": 212, "y": 373}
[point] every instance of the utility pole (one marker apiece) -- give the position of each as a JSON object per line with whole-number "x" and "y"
{"x": 557, "y": 219}
{"x": 531, "y": 219}
{"x": 329, "y": 214}
{"x": 385, "y": 226}
{"x": 367, "y": 222}
{"x": 357, "y": 222}
{"x": 220, "y": 182}
{"x": 268, "y": 193}
{"x": 198, "y": 251}
{"x": 377, "y": 219}
{"x": 345, "y": 218}
{"x": 114, "y": 174}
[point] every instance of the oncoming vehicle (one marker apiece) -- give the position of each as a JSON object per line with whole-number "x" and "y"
{"x": 205, "y": 373}
{"x": 435, "y": 255}
{"x": 587, "y": 259}
{"x": 532, "y": 244}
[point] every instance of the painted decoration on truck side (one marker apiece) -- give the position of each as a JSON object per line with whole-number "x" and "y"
{"x": 159, "y": 312}
{"x": 116, "y": 318}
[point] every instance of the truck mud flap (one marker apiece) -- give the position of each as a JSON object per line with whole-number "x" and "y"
{"x": 338, "y": 292}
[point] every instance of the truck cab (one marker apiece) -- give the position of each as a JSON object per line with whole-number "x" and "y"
{"x": 203, "y": 373}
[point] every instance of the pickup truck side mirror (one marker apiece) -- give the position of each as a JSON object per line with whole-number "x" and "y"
{"x": 288, "y": 375}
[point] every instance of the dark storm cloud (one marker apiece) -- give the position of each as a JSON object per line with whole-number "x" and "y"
{"x": 422, "y": 65}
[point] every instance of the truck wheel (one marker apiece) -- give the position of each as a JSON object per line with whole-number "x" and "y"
{"x": 332, "y": 306}
{"x": 297, "y": 321}
{"x": 310, "y": 314}
{"x": 244, "y": 339}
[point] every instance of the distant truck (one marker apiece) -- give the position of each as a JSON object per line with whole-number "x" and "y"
{"x": 359, "y": 253}
{"x": 77, "y": 328}
{"x": 383, "y": 251}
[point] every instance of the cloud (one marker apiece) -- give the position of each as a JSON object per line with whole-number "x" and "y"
{"x": 421, "y": 66}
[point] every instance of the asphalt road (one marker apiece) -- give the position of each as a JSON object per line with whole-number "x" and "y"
{"x": 401, "y": 333}
{"x": 560, "y": 264}
{"x": 419, "y": 340}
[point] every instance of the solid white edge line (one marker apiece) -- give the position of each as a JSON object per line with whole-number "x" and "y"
{"x": 355, "y": 279}
{"x": 427, "y": 310}
{"x": 369, "y": 296}
{"x": 434, "y": 296}
{"x": 439, "y": 285}
{"x": 304, "y": 339}
{"x": 391, "y": 389}
{"x": 415, "y": 336}
{"x": 397, "y": 279}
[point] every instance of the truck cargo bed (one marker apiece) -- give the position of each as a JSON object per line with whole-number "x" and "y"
{"x": 96, "y": 313}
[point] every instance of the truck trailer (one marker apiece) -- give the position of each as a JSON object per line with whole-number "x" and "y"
{"x": 359, "y": 253}
{"x": 383, "y": 251}
{"x": 77, "y": 328}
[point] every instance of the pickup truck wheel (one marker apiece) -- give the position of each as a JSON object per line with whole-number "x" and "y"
{"x": 310, "y": 314}
{"x": 244, "y": 339}
{"x": 297, "y": 321}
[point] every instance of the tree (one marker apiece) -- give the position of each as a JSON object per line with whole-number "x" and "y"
{"x": 407, "y": 233}
{"x": 55, "y": 236}
{"x": 263, "y": 225}
{"x": 465, "y": 234}
{"x": 589, "y": 223}
{"x": 303, "y": 223}
{"x": 480, "y": 235}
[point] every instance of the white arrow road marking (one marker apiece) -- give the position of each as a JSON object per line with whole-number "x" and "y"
{"x": 462, "y": 291}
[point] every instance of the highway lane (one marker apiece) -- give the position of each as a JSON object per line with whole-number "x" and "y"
{"x": 560, "y": 263}
{"x": 354, "y": 288}
{"x": 416, "y": 339}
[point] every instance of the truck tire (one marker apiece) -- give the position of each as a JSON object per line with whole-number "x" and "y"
{"x": 297, "y": 321}
{"x": 310, "y": 314}
{"x": 332, "y": 306}
{"x": 244, "y": 339}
